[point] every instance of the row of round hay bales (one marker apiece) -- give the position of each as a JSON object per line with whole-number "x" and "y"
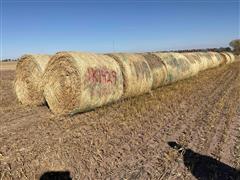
{"x": 170, "y": 67}
{"x": 74, "y": 82}
{"x": 29, "y": 72}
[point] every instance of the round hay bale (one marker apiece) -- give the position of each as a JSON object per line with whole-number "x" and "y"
{"x": 76, "y": 82}
{"x": 206, "y": 59}
{"x": 158, "y": 68}
{"x": 232, "y": 57}
{"x": 137, "y": 74}
{"x": 192, "y": 56}
{"x": 220, "y": 58}
{"x": 214, "y": 58}
{"x": 227, "y": 57}
{"x": 195, "y": 62}
{"x": 29, "y": 72}
{"x": 178, "y": 66}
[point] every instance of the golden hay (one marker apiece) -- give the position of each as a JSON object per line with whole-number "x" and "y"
{"x": 219, "y": 57}
{"x": 76, "y": 82}
{"x": 29, "y": 71}
{"x": 192, "y": 56}
{"x": 216, "y": 62}
{"x": 178, "y": 66}
{"x": 227, "y": 57}
{"x": 206, "y": 59}
{"x": 232, "y": 57}
{"x": 158, "y": 68}
{"x": 136, "y": 72}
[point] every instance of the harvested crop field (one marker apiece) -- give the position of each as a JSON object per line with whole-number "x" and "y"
{"x": 128, "y": 139}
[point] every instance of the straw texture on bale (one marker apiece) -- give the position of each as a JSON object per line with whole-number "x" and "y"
{"x": 76, "y": 82}
{"x": 158, "y": 68}
{"x": 136, "y": 72}
{"x": 206, "y": 59}
{"x": 216, "y": 62}
{"x": 228, "y": 57}
{"x": 232, "y": 57}
{"x": 193, "y": 57}
{"x": 219, "y": 57}
{"x": 28, "y": 82}
{"x": 178, "y": 66}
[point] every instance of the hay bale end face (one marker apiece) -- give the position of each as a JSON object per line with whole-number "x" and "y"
{"x": 28, "y": 82}
{"x": 76, "y": 82}
{"x": 136, "y": 72}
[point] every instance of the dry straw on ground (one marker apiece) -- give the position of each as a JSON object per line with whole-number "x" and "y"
{"x": 29, "y": 71}
{"x": 76, "y": 82}
{"x": 136, "y": 72}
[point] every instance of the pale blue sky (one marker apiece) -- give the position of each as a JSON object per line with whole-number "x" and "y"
{"x": 106, "y": 26}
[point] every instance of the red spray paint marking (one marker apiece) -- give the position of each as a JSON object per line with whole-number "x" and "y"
{"x": 101, "y": 75}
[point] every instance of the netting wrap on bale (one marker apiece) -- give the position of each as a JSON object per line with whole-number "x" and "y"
{"x": 28, "y": 82}
{"x": 178, "y": 66}
{"x": 158, "y": 68}
{"x": 76, "y": 82}
{"x": 136, "y": 72}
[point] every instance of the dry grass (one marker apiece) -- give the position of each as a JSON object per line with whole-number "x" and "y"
{"x": 8, "y": 65}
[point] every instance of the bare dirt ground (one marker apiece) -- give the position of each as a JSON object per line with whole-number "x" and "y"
{"x": 128, "y": 139}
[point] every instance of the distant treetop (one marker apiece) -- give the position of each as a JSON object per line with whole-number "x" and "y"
{"x": 235, "y": 44}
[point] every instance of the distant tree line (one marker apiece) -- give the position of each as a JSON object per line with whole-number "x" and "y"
{"x": 235, "y": 44}
{"x": 6, "y": 60}
{"x": 221, "y": 49}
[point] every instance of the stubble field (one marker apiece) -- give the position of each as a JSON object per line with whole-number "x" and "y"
{"x": 128, "y": 139}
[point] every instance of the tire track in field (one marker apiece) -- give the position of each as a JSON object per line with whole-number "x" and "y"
{"x": 203, "y": 113}
{"x": 178, "y": 129}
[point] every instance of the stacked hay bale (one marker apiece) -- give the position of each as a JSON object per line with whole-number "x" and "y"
{"x": 137, "y": 75}
{"x": 28, "y": 82}
{"x": 76, "y": 82}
